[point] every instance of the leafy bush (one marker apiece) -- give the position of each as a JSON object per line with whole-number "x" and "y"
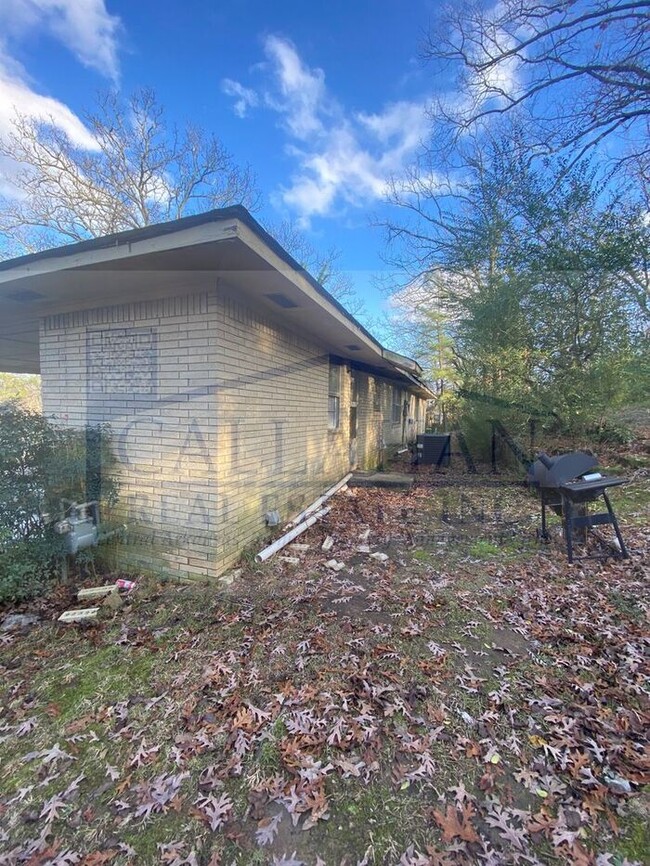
{"x": 613, "y": 433}
{"x": 475, "y": 423}
{"x": 42, "y": 470}
{"x": 23, "y": 388}
{"x": 27, "y": 567}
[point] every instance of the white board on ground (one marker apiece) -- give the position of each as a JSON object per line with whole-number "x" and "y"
{"x": 79, "y": 615}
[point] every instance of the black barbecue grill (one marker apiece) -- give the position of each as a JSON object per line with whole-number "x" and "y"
{"x": 567, "y": 484}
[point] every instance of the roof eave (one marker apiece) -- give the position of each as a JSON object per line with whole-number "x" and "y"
{"x": 234, "y": 222}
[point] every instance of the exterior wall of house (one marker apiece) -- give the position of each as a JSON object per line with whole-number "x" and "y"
{"x": 217, "y": 415}
{"x": 276, "y": 452}
{"x": 147, "y": 369}
{"x": 384, "y": 422}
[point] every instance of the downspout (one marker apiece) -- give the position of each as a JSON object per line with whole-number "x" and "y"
{"x": 320, "y": 501}
{"x": 281, "y": 542}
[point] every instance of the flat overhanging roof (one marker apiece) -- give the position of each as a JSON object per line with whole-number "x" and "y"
{"x": 181, "y": 257}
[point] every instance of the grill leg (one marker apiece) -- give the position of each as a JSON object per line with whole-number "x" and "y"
{"x": 567, "y": 511}
{"x": 612, "y": 516}
{"x": 544, "y": 530}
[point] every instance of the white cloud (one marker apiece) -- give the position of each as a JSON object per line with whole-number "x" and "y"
{"x": 17, "y": 95}
{"x": 497, "y": 81}
{"x": 85, "y": 27}
{"x": 245, "y": 98}
{"x": 301, "y": 91}
{"x": 343, "y": 158}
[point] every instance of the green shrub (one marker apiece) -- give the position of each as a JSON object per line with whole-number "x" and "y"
{"x": 27, "y": 567}
{"x": 613, "y": 433}
{"x": 42, "y": 470}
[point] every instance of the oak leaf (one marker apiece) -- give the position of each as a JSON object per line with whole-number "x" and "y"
{"x": 456, "y": 825}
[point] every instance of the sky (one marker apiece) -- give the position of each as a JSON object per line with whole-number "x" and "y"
{"x": 325, "y": 102}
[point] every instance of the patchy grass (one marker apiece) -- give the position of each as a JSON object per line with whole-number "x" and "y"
{"x": 634, "y": 843}
{"x": 484, "y": 549}
{"x": 472, "y": 699}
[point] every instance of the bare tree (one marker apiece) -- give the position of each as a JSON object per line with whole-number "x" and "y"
{"x": 580, "y": 68}
{"x": 141, "y": 170}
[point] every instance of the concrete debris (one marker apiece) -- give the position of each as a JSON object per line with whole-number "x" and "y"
{"x": 469, "y": 720}
{"x": 618, "y": 784}
{"x": 328, "y": 544}
{"x": 301, "y": 548}
{"x": 231, "y": 577}
{"x": 390, "y": 480}
{"x": 96, "y": 591}
{"x": 365, "y": 535}
{"x": 364, "y": 548}
{"x": 291, "y": 560}
{"x": 17, "y": 621}
{"x": 334, "y": 565}
{"x": 380, "y": 557}
{"x": 79, "y": 615}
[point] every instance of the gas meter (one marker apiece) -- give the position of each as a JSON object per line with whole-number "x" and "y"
{"x": 79, "y": 526}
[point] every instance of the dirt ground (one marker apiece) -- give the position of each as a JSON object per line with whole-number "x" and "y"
{"x": 467, "y": 696}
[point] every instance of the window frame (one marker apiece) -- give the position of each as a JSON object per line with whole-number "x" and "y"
{"x": 334, "y": 398}
{"x": 396, "y": 405}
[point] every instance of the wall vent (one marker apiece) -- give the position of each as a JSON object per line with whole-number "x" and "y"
{"x": 25, "y": 296}
{"x": 281, "y": 300}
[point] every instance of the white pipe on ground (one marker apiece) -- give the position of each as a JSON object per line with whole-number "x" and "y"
{"x": 289, "y": 536}
{"x": 318, "y": 502}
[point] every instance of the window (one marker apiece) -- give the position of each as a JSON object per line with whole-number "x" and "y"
{"x": 334, "y": 398}
{"x": 397, "y": 405}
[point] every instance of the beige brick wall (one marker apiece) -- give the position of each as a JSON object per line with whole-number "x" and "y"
{"x": 218, "y": 415}
{"x": 147, "y": 370}
{"x": 275, "y": 451}
{"x": 377, "y": 431}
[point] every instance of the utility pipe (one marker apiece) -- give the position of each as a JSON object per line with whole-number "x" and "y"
{"x": 289, "y": 536}
{"x": 318, "y": 502}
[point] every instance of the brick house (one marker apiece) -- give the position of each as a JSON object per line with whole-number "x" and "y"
{"x": 233, "y": 383}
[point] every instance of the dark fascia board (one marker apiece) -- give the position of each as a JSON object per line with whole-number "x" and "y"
{"x": 235, "y": 212}
{"x": 396, "y": 375}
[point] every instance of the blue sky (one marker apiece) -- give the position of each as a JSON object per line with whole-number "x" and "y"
{"x": 324, "y": 101}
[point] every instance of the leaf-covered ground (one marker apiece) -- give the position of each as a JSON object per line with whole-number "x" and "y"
{"x": 466, "y": 696}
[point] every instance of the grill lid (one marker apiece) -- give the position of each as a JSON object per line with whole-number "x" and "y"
{"x": 553, "y": 471}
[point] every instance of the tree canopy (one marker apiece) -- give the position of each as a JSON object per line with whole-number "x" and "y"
{"x": 141, "y": 170}
{"x": 578, "y": 69}
{"x": 531, "y": 279}
{"x": 522, "y": 229}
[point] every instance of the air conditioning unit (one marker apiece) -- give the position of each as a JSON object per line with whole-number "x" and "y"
{"x": 433, "y": 449}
